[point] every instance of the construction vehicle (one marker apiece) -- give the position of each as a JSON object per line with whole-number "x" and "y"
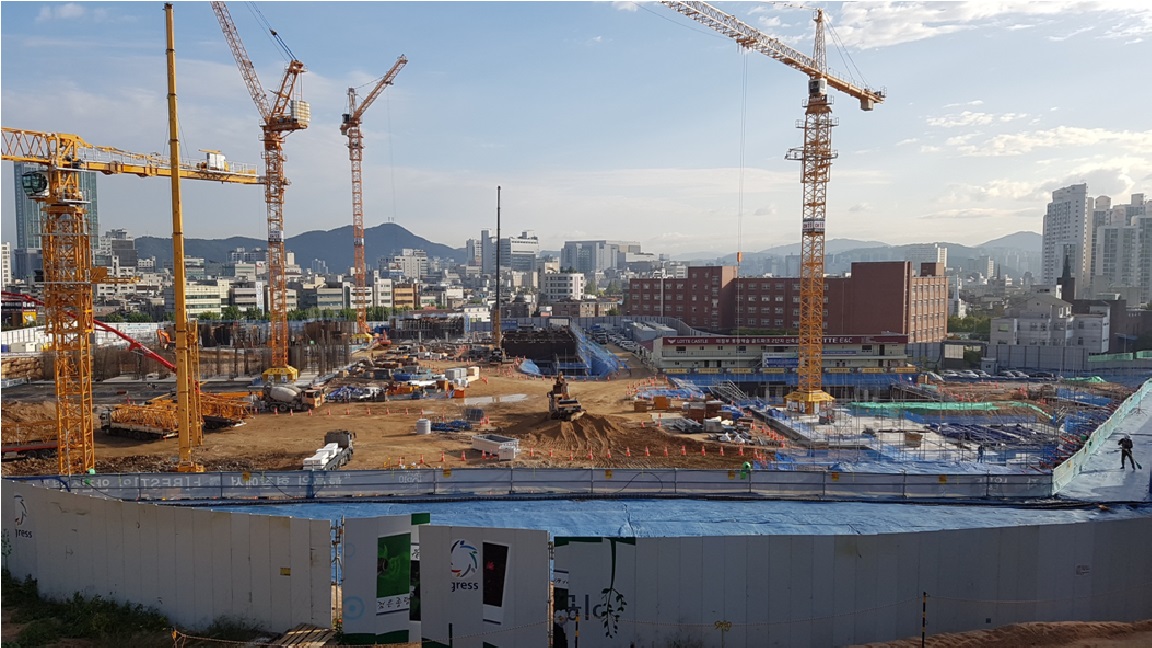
{"x": 816, "y": 157}
{"x": 36, "y": 439}
{"x": 286, "y": 113}
{"x": 561, "y": 405}
{"x": 337, "y": 451}
{"x": 290, "y": 398}
{"x": 68, "y": 271}
{"x": 350, "y": 127}
{"x": 156, "y": 419}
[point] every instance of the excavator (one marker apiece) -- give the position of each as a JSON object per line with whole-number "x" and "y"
{"x": 561, "y": 405}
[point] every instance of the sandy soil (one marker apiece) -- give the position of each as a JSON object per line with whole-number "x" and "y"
{"x": 611, "y": 431}
{"x": 1055, "y": 634}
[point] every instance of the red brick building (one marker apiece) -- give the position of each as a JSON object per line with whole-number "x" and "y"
{"x": 886, "y": 297}
{"x": 703, "y": 299}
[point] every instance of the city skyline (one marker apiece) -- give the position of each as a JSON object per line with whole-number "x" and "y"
{"x": 607, "y": 120}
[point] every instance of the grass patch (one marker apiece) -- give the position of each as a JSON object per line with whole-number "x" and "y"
{"x": 104, "y": 622}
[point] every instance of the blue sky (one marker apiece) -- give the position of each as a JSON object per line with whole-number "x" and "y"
{"x": 606, "y": 120}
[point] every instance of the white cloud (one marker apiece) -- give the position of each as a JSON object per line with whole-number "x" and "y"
{"x": 968, "y": 118}
{"x": 1063, "y": 137}
{"x": 974, "y": 102}
{"x": 66, "y": 11}
{"x": 881, "y": 24}
{"x": 625, "y": 6}
{"x": 1073, "y": 34}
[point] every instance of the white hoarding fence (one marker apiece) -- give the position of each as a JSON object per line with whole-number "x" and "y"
{"x": 484, "y": 587}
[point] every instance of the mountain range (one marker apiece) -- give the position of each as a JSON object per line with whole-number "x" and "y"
{"x": 334, "y": 247}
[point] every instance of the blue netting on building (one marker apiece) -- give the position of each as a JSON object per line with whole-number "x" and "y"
{"x": 530, "y": 368}
{"x": 1078, "y": 396}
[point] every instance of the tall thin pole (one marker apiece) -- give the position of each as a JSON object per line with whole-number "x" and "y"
{"x": 184, "y": 414}
{"x": 496, "y": 341}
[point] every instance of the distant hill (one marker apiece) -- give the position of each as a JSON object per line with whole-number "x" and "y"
{"x": 334, "y": 247}
{"x": 1023, "y": 241}
{"x": 833, "y": 246}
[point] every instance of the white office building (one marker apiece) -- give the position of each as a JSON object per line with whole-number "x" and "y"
{"x": 560, "y": 286}
{"x": 1046, "y": 320}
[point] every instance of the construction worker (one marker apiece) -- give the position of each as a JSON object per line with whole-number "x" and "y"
{"x": 1126, "y": 452}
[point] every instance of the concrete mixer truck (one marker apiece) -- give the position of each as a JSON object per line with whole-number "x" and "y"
{"x": 290, "y": 398}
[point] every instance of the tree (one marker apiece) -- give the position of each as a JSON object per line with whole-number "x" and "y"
{"x": 613, "y": 312}
{"x": 138, "y": 316}
{"x": 230, "y": 313}
{"x": 253, "y": 313}
{"x": 113, "y": 318}
{"x": 208, "y": 316}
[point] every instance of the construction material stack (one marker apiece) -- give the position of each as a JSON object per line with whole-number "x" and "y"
{"x": 337, "y": 451}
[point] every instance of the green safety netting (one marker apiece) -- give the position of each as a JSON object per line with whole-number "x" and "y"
{"x": 1093, "y": 379}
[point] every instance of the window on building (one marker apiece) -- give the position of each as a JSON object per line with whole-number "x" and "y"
{"x": 681, "y": 349}
{"x": 741, "y": 349}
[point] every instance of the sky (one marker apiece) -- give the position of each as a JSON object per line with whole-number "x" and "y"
{"x": 605, "y": 120}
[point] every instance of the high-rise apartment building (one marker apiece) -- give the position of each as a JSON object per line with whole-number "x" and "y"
{"x": 5, "y": 264}
{"x": 30, "y": 217}
{"x": 1067, "y": 234}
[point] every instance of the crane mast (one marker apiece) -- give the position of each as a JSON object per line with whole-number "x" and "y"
{"x": 68, "y": 271}
{"x": 283, "y": 116}
{"x": 350, "y": 127}
{"x": 816, "y": 157}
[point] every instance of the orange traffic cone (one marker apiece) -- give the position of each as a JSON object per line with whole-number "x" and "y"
{"x": 740, "y": 451}
{"x": 309, "y": 412}
{"x": 665, "y": 451}
{"x": 462, "y": 457}
{"x": 683, "y": 451}
{"x": 646, "y": 453}
{"x": 627, "y": 452}
{"x": 289, "y": 412}
{"x": 721, "y": 451}
{"x": 703, "y": 451}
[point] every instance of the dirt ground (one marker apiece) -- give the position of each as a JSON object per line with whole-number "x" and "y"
{"x": 611, "y": 433}
{"x": 1053, "y": 634}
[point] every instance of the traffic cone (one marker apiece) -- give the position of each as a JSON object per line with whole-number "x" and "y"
{"x": 589, "y": 455}
{"x": 646, "y": 453}
{"x": 608, "y": 452}
{"x": 347, "y": 412}
{"x": 571, "y": 455}
{"x": 740, "y": 451}
{"x": 329, "y": 412}
{"x": 549, "y": 453}
{"x": 703, "y": 451}
{"x": 665, "y": 451}
{"x": 441, "y": 456}
{"x": 683, "y": 451}
{"x": 532, "y": 452}
{"x": 627, "y": 452}
{"x": 309, "y": 412}
{"x": 463, "y": 457}
{"x": 290, "y": 413}
{"x": 721, "y": 451}
{"x": 421, "y": 460}
{"x": 275, "y": 412}
{"x": 367, "y": 411}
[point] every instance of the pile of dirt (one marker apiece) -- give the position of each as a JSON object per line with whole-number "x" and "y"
{"x": 264, "y": 461}
{"x": 20, "y": 412}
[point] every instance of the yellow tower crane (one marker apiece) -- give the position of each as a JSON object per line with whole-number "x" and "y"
{"x": 285, "y": 114}
{"x": 816, "y": 158}
{"x": 68, "y": 271}
{"x": 350, "y": 126}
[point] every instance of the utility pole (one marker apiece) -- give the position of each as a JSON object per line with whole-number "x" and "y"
{"x": 496, "y": 337}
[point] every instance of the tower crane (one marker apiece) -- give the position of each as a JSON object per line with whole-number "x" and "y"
{"x": 284, "y": 115}
{"x": 68, "y": 271}
{"x": 816, "y": 157}
{"x": 350, "y": 126}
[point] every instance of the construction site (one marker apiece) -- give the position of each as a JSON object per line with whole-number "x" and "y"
{"x": 280, "y": 444}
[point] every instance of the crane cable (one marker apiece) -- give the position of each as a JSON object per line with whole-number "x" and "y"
{"x": 391, "y": 154}
{"x": 274, "y": 36}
